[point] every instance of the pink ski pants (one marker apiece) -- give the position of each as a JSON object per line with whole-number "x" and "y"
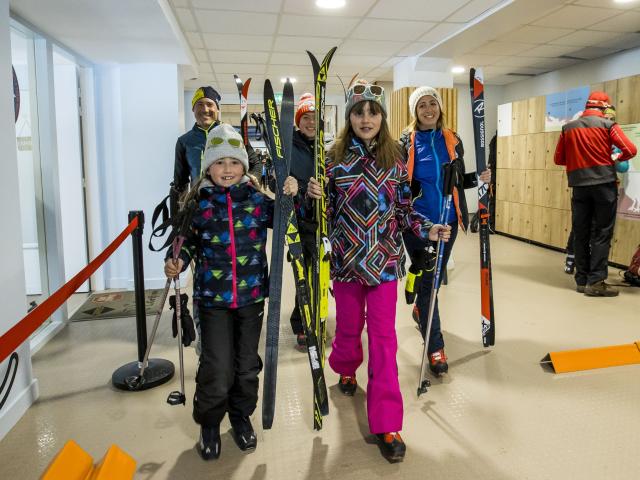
{"x": 355, "y": 304}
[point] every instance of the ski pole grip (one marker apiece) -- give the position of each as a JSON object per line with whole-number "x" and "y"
{"x": 450, "y": 171}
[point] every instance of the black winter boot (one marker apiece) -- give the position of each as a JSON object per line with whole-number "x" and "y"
{"x": 209, "y": 444}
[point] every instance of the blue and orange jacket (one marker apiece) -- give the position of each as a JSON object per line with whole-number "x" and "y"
{"x": 228, "y": 239}
{"x": 455, "y": 150}
{"x": 584, "y": 147}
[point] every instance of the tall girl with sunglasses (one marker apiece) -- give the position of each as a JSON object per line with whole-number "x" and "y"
{"x": 227, "y": 239}
{"x": 369, "y": 204}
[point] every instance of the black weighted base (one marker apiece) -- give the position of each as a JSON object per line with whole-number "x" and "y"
{"x": 158, "y": 371}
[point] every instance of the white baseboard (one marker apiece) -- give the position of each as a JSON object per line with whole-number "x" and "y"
{"x": 14, "y": 411}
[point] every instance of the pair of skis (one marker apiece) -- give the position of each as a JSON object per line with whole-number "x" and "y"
{"x": 486, "y": 287}
{"x": 319, "y": 270}
{"x": 279, "y": 129}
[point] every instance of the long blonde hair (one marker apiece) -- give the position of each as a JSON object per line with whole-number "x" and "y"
{"x": 387, "y": 150}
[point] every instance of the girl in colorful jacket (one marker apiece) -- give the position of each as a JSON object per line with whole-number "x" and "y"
{"x": 427, "y": 144}
{"x": 227, "y": 239}
{"x": 369, "y": 205}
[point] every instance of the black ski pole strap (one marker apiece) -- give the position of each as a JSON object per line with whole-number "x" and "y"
{"x": 160, "y": 212}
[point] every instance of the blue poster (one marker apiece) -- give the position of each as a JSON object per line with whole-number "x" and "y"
{"x": 563, "y": 107}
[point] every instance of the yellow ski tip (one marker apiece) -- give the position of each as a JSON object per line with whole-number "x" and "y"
{"x": 592, "y": 358}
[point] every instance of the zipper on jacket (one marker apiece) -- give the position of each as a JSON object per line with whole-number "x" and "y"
{"x": 232, "y": 239}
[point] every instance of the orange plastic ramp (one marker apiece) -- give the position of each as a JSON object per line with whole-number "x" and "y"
{"x": 71, "y": 463}
{"x": 591, "y": 358}
{"x": 116, "y": 465}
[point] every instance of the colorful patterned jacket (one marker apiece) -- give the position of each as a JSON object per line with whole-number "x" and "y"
{"x": 368, "y": 208}
{"x": 228, "y": 239}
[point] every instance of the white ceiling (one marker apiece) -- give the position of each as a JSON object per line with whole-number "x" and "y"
{"x": 511, "y": 39}
{"x": 268, "y": 38}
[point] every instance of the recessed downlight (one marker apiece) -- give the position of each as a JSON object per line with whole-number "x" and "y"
{"x": 332, "y": 4}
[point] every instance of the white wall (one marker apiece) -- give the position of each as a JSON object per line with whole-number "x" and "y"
{"x": 12, "y": 294}
{"x": 138, "y": 123}
{"x": 70, "y": 167}
{"x": 620, "y": 65}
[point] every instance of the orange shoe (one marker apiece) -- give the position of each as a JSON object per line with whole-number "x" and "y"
{"x": 348, "y": 385}
{"x": 438, "y": 362}
{"x": 392, "y": 446}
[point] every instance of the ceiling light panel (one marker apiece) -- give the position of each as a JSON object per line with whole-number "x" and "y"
{"x": 394, "y": 30}
{"x": 415, "y": 9}
{"x": 316, "y": 26}
{"x": 264, "y": 6}
{"x": 218, "y": 21}
{"x": 576, "y": 17}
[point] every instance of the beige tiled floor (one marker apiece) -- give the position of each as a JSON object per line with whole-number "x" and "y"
{"x": 497, "y": 415}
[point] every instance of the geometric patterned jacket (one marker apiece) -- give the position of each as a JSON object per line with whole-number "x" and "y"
{"x": 227, "y": 239}
{"x": 368, "y": 208}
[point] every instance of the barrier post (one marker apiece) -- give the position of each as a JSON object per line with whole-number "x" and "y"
{"x": 157, "y": 371}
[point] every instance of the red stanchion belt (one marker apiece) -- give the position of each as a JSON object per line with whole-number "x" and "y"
{"x": 23, "y": 329}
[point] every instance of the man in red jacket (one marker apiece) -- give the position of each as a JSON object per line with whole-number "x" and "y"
{"x": 585, "y": 148}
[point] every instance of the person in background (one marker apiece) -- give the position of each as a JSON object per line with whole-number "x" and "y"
{"x": 585, "y": 147}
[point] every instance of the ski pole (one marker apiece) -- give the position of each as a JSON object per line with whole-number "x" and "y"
{"x": 449, "y": 177}
{"x": 134, "y": 382}
{"x": 178, "y": 397}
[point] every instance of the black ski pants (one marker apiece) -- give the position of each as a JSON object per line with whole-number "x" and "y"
{"x": 227, "y": 377}
{"x": 593, "y": 210}
{"x": 415, "y": 247}
{"x": 308, "y": 241}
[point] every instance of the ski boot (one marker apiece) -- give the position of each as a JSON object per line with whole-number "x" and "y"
{"x": 438, "y": 363}
{"x": 392, "y": 446}
{"x": 600, "y": 289}
{"x": 348, "y": 385}
{"x": 243, "y": 433}
{"x": 570, "y": 265}
{"x": 301, "y": 342}
{"x": 209, "y": 444}
{"x": 411, "y": 285}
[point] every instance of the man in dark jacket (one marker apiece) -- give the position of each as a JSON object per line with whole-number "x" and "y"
{"x": 205, "y": 105}
{"x": 585, "y": 148}
{"x": 302, "y": 168}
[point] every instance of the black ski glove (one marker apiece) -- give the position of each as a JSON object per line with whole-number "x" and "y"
{"x": 188, "y": 328}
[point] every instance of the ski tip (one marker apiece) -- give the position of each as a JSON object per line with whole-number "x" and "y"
{"x": 237, "y": 79}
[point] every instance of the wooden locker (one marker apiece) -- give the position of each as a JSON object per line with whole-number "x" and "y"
{"x": 518, "y": 151}
{"x": 558, "y": 231}
{"x": 626, "y": 238}
{"x": 526, "y": 221}
{"x": 535, "y": 151}
{"x": 550, "y": 143}
{"x": 520, "y": 117}
{"x": 529, "y": 182}
{"x": 503, "y": 152}
{"x": 515, "y": 226}
{"x": 536, "y": 112}
{"x": 501, "y": 183}
{"x": 628, "y": 101}
{"x": 566, "y": 193}
{"x": 500, "y": 215}
{"x": 541, "y": 228}
{"x": 538, "y": 181}
{"x": 556, "y": 189}
{"x": 518, "y": 184}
